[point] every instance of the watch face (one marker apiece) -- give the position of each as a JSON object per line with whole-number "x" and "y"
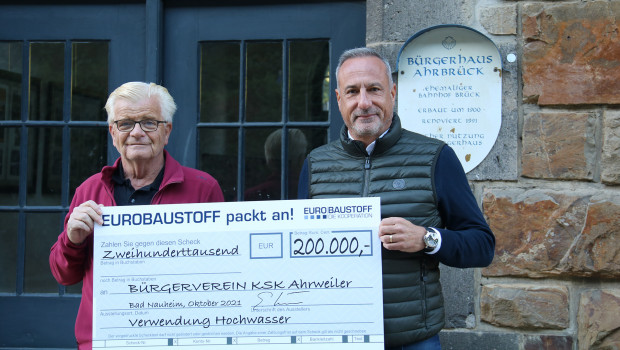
{"x": 430, "y": 239}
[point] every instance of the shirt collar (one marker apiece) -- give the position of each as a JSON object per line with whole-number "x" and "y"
{"x": 119, "y": 178}
{"x": 371, "y": 146}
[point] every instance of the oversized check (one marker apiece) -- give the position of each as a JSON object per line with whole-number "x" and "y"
{"x": 296, "y": 274}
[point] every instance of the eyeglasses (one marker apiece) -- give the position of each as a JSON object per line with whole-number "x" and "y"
{"x": 127, "y": 125}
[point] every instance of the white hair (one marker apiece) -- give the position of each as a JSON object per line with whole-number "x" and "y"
{"x": 135, "y": 91}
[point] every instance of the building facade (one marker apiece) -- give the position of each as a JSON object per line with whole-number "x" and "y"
{"x": 549, "y": 186}
{"x": 241, "y": 71}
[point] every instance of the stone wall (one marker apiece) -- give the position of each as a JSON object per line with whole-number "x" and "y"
{"x": 550, "y": 187}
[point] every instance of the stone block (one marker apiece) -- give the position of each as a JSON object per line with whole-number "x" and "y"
{"x": 525, "y": 306}
{"x": 596, "y": 250}
{"x": 542, "y": 233}
{"x": 548, "y": 342}
{"x": 458, "y": 340}
{"x": 499, "y": 20}
{"x": 559, "y": 145}
{"x": 610, "y": 158}
{"x": 458, "y": 293}
{"x": 404, "y": 18}
{"x": 598, "y": 319}
{"x": 571, "y": 52}
{"x": 502, "y": 161}
{"x": 374, "y": 21}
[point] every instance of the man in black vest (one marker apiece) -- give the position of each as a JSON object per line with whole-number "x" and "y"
{"x": 429, "y": 214}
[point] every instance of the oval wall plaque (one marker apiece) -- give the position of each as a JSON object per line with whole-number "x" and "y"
{"x": 450, "y": 88}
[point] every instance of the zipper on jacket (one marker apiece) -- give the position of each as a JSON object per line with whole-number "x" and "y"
{"x": 423, "y": 279}
{"x": 366, "y": 176}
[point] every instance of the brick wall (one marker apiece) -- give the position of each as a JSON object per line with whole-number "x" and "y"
{"x": 550, "y": 187}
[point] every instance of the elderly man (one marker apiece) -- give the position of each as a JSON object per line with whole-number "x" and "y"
{"x": 429, "y": 212}
{"x": 140, "y": 122}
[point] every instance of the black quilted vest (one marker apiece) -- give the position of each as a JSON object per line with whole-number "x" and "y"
{"x": 400, "y": 172}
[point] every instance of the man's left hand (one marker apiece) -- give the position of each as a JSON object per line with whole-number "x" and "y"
{"x": 399, "y": 234}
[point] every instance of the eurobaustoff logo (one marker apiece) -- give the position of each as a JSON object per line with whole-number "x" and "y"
{"x": 338, "y": 212}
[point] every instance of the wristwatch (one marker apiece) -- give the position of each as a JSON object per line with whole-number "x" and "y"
{"x": 431, "y": 240}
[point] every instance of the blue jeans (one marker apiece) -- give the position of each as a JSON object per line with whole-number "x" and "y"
{"x": 431, "y": 343}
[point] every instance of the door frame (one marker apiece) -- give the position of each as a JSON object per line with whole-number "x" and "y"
{"x": 48, "y": 319}
{"x": 135, "y": 29}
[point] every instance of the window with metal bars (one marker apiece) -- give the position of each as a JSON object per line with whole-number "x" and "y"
{"x": 52, "y": 136}
{"x": 261, "y": 102}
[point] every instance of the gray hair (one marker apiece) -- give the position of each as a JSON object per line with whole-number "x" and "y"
{"x": 363, "y": 52}
{"x": 135, "y": 91}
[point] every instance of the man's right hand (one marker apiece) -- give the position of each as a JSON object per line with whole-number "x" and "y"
{"x": 82, "y": 221}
